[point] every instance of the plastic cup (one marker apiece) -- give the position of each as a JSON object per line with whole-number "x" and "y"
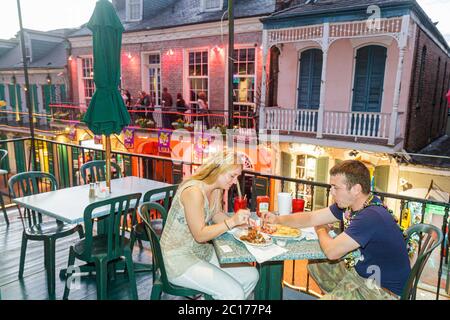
{"x": 298, "y": 205}
{"x": 239, "y": 203}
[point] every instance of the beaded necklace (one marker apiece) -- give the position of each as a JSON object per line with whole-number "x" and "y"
{"x": 352, "y": 258}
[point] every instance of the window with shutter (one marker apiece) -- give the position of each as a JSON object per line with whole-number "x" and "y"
{"x": 2, "y": 91}
{"x": 34, "y": 98}
{"x": 310, "y": 74}
{"x": 134, "y": 10}
{"x": 212, "y": 5}
{"x": 369, "y": 79}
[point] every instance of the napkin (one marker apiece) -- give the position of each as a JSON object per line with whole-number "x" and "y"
{"x": 263, "y": 254}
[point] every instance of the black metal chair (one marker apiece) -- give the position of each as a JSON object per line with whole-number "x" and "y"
{"x": 429, "y": 237}
{"x": 34, "y": 228}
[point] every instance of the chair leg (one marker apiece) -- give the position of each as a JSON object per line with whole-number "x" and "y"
{"x": 2, "y": 204}
{"x": 69, "y": 277}
{"x": 80, "y": 231}
{"x": 50, "y": 266}
{"x": 101, "y": 270}
{"x": 156, "y": 292}
{"x": 131, "y": 277}
{"x": 23, "y": 250}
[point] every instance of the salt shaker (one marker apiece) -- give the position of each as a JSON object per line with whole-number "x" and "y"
{"x": 98, "y": 190}
{"x": 91, "y": 191}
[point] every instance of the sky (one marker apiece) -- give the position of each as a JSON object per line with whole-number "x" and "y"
{"x": 46, "y": 15}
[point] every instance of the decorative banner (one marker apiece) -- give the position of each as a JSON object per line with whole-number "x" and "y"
{"x": 128, "y": 137}
{"x": 164, "y": 141}
{"x": 72, "y": 133}
{"x": 98, "y": 139}
{"x": 201, "y": 146}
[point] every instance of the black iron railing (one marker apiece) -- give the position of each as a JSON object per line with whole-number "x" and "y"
{"x": 64, "y": 161}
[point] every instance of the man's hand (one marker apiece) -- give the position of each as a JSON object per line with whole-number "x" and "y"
{"x": 268, "y": 217}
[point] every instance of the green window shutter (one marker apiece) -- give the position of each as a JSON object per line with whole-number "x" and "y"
{"x": 310, "y": 79}
{"x": 63, "y": 162}
{"x": 19, "y": 151}
{"x": 62, "y": 90}
{"x": 381, "y": 175}
{"x": 34, "y": 98}
{"x": 127, "y": 165}
{"x": 75, "y": 166}
{"x": 369, "y": 79}
{"x": 2, "y": 91}
{"x": 46, "y": 98}
{"x": 12, "y": 96}
{"x": 320, "y": 200}
{"x": 53, "y": 93}
{"x": 51, "y": 158}
{"x": 286, "y": 162}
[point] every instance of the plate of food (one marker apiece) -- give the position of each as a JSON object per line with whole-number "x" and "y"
{"x": 253, "y": 237}
{"x": 280, "y": 231}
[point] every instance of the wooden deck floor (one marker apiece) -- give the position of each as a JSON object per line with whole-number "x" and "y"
{"x": 33, "y": 286}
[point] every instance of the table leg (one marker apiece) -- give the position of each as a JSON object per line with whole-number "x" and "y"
{"x": 269, "y": 286}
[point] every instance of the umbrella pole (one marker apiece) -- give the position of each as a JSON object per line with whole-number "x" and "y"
{"x": 108, "y": 163}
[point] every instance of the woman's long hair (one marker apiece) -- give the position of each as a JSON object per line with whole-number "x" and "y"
{"x": 209, "y": 172}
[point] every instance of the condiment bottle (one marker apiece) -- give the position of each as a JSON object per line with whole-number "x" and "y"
{"x": 262, "y": 204}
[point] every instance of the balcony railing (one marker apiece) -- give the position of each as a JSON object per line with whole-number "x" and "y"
{"x": 64, "y": 160}
{"x": 152, "y": 118}
{"x": 335, "y": 123}
{"x": 301, "y": 120}
{"x": 357, "y": 124}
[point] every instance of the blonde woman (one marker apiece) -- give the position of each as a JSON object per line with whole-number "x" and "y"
{"x": 195, "y": 218}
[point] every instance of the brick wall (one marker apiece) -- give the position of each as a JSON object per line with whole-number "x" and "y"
{"x": 172, "y": 65}
{"x": 427, "y": 116}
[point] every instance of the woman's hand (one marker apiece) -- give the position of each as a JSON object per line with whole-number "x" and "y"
{"x": 240, "y": 217}
{"x": 268, "y": 217}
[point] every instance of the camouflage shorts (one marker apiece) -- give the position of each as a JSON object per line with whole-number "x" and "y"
{"x": 340, "y": 283}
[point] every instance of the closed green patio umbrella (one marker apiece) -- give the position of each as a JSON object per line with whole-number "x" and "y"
{"x": 106, "y": 113}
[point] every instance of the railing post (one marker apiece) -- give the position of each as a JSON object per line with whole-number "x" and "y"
{"x": 397, "y": 89}
{"x": 325, "y": 45}
{"x": 262, "y": 100}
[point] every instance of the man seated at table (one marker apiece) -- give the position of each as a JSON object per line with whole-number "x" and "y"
{"x": 382, "y": 268}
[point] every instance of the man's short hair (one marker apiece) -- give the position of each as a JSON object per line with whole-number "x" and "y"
{"x": 355, "y": 172}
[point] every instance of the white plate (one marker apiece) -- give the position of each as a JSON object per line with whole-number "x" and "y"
{"x": 281, "y": 236}
{"x": 242, "y": 232}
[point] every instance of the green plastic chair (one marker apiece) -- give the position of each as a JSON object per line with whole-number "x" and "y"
{"x": 4, "y": 173}
{"x": 160, "y": 281}
{"x": 96, "y": 170}
{"x": 101, "y": 249}
{"x": 34, "y": 228}
{"x": 430, "y": 237}
{"x": 138, "y": 232}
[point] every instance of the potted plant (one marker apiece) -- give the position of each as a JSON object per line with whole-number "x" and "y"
{"x": 179, "y": 124}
